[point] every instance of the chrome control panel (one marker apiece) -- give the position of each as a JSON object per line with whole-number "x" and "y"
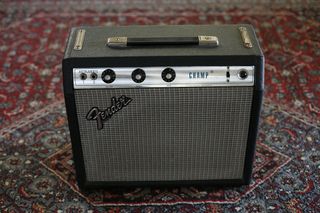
{"x": 176, "y": 76}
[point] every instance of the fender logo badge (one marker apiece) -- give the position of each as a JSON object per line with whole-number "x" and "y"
{"x": 103, "y": 115}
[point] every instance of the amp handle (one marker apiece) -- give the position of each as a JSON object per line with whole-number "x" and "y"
{"x": 202, "y": 40}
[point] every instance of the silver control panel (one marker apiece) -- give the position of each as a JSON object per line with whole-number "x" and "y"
{"x": 191, "y": 76}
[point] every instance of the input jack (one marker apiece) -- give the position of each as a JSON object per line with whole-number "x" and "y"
{"x": 83, "y": 76}
{"x": 93, "y": 76}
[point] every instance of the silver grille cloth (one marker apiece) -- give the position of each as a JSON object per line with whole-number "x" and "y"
{"x": 166, "y": 134}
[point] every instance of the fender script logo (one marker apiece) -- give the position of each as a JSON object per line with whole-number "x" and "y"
{"x": 103, "y": 115}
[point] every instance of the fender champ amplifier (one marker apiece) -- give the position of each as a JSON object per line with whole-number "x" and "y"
{"x": 150, "y": 105}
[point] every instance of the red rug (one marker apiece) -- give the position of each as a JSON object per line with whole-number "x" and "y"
{"x": 36, "y": 170}
{"x": 267, "y": 163}
{"x": 31, "y": 50}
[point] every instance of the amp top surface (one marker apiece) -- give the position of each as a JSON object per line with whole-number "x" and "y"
{"x": 94, "y": 39}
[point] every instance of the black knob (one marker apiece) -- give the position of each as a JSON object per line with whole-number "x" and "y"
{"x": 168, "y": 74}
{"x": 108, "y": 76}
{"x": 138, "y": 75}
{"x": 243, "y": 74}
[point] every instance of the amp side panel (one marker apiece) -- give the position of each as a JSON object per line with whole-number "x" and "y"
{"x": 166, "y": 134}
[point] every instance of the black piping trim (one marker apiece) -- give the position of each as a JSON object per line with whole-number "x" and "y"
{"x": 125, "y": 184}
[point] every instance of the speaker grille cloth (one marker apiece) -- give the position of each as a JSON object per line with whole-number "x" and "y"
{"x": 166, "y": 134}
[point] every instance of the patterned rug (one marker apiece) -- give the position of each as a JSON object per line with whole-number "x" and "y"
{"x": 36, "y": 167}
{"x": 267, "y": 162}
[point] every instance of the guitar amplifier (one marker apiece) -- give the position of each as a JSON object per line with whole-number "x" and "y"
{"x": 163, "y": 105}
